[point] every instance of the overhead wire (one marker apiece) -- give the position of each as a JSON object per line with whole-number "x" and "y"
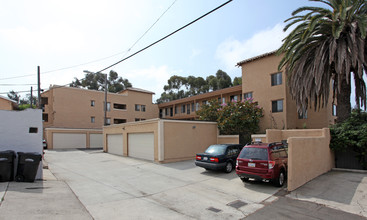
{"x": 163, "y": 38}
{"x": 152, "y": 44}
{"x": 97, "y": 60}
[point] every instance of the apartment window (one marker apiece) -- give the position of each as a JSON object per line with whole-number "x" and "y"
{"x": 44, "y": 100}
{"x": 197, "y": 106}
{"x": 247, "y": 95}
{"x": 137, "y": 119}
{"x": 176, "y": 109}
{"x": 45, "y": 117}
{"x": 276, "y": 79}
{"x": 223, "y": 100}
{"x": 92, "y": 119}
{"x": 108, "y": 121}
{"x": 166, "y": 112}
{"x": 205, "y": 102}
{"x": 334, "y": 110}
{"x": 192, "y": 107}
{"x": 302, "y": 114}
{"x": 277, "y": 106}
{"x": 183, "y": 108}
{"x": 234, "y": 98}
{"x": 119, "y": 121}
{"x": 143, "y": 108}
{"x": 188, "y": 109}
{"x": 108, "y": 106}
{"x": 92, "y": 103}
{"x": 171, "y": 111}
{"x": 137, "y": 107}
{"x": 119, "y": 106}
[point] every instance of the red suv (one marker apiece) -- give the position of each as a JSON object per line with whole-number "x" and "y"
{"x": 262, "y": 161}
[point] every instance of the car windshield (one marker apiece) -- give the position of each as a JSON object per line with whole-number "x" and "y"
{"x": 254, "y": 153}
{"x": 216, "y": 149}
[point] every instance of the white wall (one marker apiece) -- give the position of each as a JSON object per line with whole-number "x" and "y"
{"x": 14, "y": 132}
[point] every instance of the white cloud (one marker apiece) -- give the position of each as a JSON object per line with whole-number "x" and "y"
{"x": 152, "y": 78}
{"x": 232, "y": 51}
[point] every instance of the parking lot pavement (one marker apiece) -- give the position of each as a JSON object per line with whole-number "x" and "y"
{"x": 50, "y": 199}
{"x": 114, "y": 187}
{"x": 346, "y": 191}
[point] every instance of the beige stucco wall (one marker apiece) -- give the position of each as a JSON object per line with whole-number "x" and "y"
{"x": 228, "y": 139}
{"x": 6, "y": 104}
{"x": 183, "y": 140}
{"x": 49, "y": 134}
{"x": 256, "y": 78}
{"x": 131, "y": 128}
{"x": 173, "y": 140}
{"x": 309, "y": 154}
{"x": 71, "y": 107}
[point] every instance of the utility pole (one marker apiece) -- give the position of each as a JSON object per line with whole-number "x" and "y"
{"x": 105, "y": 99}
{"x": 39, "y": 87}
{"x": 105, "y": 95}
{"x": 31, "y": 97}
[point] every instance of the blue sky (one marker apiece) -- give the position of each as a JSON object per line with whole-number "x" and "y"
{"x": 61, "y": 34}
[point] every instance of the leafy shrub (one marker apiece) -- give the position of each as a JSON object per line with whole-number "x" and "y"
{"x": 351, "y": 134}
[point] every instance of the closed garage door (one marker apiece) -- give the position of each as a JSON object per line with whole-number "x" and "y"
{"x": 141, "y": 146}
{"x": 69, "y": 140}
{"x": 115, "y": 144}
{"x": 96, "y": 140}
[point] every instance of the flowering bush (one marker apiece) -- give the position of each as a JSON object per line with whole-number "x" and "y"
{"x": 236, "y": 117}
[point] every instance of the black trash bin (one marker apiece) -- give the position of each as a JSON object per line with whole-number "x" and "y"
{"x": 7, "y": 165}
{"x": 27, "y": 166}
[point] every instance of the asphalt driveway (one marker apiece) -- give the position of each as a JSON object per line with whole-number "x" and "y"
{"x": 114, "y": 187}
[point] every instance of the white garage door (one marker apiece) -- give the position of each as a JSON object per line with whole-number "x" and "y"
{"x": 115, "y": 144}
{"x": 141, "y": 146}
{"x": 96, "y": 140}
{"x": 69, "y": 140}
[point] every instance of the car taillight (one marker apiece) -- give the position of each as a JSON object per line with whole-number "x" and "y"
{"x": 214, "y": 159}
{"x": 198, "y": 157}
{"x": 271, "y": 164}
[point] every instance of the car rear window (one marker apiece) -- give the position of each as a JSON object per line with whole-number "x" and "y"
{"x": 216, "y": 149}
{"x": 254, "y": 153}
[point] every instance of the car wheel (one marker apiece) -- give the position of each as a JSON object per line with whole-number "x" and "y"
{"x": 229, "y": 167}
{"x": 245, "y": 179}
{"x": 280, "y": 180}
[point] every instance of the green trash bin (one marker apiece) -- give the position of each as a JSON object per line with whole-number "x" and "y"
{"x": 7, "y": 165}
{"x": 27, "y": 166}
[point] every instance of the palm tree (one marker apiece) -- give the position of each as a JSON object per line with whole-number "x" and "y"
{"x": 324, "y": 49}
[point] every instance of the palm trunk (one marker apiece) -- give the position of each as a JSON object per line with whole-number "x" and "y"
{"x": 343, "y": 108}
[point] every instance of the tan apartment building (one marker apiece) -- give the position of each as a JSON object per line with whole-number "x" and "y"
{"x": 73, "y": 114}
{"x": 262, "y": 81}
{"x": 185, "y": 109}
{"x": 7, "y": 104}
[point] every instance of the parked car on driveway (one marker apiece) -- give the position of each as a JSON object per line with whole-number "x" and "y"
{"x": 261, "y": 161}
{"x": 219, "y": 157}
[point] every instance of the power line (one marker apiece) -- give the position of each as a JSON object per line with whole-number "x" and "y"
{"x": 18, "y": 84}
{"x": 183, "y": 27}
{"x": 97, "y": 60}
{"x": 141, "y": 50}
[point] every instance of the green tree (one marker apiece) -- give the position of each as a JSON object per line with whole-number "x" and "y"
{"x": 351, "y": 134}
{"x": 237, "y": 81}
{"x": 13, "y": 96}
{"x": 241, "y": 117}
{"x": 224, "y": 80}
{"x": 96, "y": 81}
{"x": 325, "y": 48}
